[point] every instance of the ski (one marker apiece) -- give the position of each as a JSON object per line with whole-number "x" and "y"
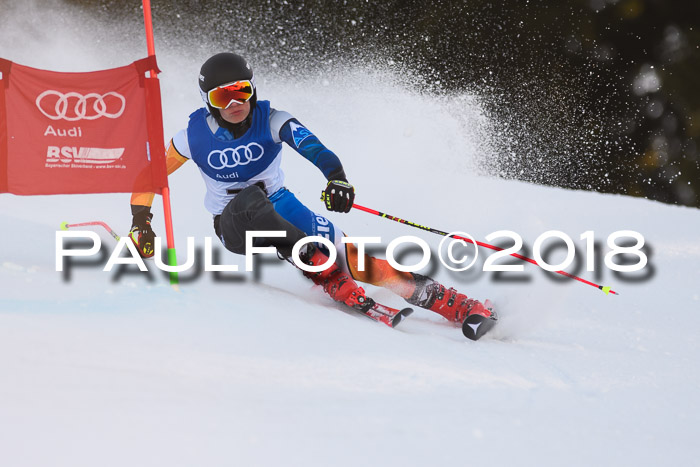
{"x": 384, "y": 314}
{"x": 475, "y": 326}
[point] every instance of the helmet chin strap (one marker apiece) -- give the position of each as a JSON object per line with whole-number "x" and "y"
{"x": 236, "y": 129}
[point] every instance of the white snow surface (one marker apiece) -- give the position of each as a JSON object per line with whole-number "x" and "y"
{"x": 108, "y": 370}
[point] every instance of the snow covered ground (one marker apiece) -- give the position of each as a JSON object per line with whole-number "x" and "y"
{"x": 102, "y": 369}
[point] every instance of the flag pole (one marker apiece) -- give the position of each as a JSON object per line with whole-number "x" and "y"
{"x": 170, "y": 237}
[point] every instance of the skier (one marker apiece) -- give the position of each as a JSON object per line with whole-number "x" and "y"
{"x": 236, "y": 142}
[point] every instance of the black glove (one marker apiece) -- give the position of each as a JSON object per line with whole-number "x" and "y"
{"x": 339, "y": 196}
{"x": 141, "y": 233}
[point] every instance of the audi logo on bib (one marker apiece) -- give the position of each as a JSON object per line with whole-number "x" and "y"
{"x": 233, "y": 157}
{"x": 73, "y": 106}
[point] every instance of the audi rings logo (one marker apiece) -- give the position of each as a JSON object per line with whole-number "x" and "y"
{"x": 233, "y": 157}
{"x": 73, "y": 106}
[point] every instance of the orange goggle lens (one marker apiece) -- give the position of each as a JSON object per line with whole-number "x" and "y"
{"x": 222, "y": 96}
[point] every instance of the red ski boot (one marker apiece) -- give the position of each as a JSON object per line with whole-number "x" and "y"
{"x": 449, "y": 303}
{"x": 339, "y": 285}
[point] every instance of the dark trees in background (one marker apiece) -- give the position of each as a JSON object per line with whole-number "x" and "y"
{"x": 589, "y": 94}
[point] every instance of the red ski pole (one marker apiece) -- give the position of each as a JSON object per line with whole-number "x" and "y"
{"x": 607, "y": 290}
{"x": 66, "y": 226}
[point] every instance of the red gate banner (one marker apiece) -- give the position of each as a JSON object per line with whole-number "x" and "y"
{"x": 63, "y": 133}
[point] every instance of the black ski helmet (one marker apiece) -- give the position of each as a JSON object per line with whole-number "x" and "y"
{"x": 221, "y": 69}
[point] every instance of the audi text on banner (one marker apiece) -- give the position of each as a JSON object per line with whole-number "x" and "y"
{"x": 76, "y": 132}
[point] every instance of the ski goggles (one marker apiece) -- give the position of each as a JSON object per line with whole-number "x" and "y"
{"x": 239, "y": 92}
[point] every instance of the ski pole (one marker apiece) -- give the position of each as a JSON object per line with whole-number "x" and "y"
{"x": 607, "y": 290}
{"x": 66, "y": 226}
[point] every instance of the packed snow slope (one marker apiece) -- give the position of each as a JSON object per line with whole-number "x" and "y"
{"x": 113, "y": 369}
